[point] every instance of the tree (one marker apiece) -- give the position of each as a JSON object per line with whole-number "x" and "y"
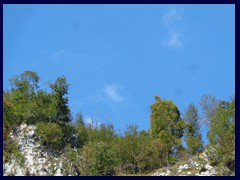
{"x": 82, "y": 133}
{"x": 128, "y": 148}
{"x": 22, "y": 96}
{"x": 60, "y": 90}
{"x": 192, "y": 135}
{"x": 27, "y": 83}
{"x": 97, "y": 159}
{"x": 209, "y": 105}
{"x": 222, "y": 133}
{"x": 166, "y": 125}
{"x": 106, "y": 133}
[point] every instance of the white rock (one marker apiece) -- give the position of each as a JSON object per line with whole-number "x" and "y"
{"x": 58, "y": 172}
{"x": 206, "y": 173}
{"x": 207, "y": 166}
{"x": 186, "y": 166}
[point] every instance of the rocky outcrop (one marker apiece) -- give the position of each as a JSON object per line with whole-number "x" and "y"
{"x": 196, "y": 166}
{"x": 38, "y": 161}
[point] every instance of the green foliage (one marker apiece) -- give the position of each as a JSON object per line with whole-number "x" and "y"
{"x": 27, "y": 83}
{"x": 222, "y": 133}
{"x": 50, "y": 135}
{"x": 81, "y": 131}
{"x": 22, "y": 95}
{"x": 192, "y": 135}
{"x": 25, "y": 103}
{"x": 96, "y": 149}
{"x": 128, "y": 149}
{"x": 60, "y": 90}
{"x": 8, "y": 120}
{"x": 106, "y": 133}
{"x": 11, "y": 151}
{"x": 71, "y": 165}
{"x": 98, "y": 159}
{"x": 166, "y": 124}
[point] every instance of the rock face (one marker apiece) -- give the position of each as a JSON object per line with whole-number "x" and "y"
{"x": 37, "y": 160}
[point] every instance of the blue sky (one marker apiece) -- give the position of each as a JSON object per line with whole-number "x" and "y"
{"x": 118, "y": 57}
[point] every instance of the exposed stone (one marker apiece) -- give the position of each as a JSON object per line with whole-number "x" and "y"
{"x": 35, "y": 157}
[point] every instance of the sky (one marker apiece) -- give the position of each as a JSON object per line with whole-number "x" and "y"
{"x": 116, "y": 58}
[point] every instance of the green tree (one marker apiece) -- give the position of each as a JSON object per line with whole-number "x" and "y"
{"x": 82, "y": 132}
{"x": 192, "y": 132}
{"x": 22, "y": 96}
{"x": 106, "y": 133}
{"x": 98, "y": 159}
{"x": 60, "y": 90}
{"x": 166, "y": 125}
{"x": 222, "y": 133}
{"x": 27, "y": 83}
{"x": 127, "y": 148}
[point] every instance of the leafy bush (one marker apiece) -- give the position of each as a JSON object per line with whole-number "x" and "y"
{"x": 50, "y": 135}
{"x": 98, "y": 159}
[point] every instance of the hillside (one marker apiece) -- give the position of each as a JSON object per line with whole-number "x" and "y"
{"x": 40, "y": 162}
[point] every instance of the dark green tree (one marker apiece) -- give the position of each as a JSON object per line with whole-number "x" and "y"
{"x": 60, "y": 90}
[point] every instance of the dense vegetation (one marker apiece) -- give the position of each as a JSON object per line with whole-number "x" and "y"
{"x": 93, "y": 149}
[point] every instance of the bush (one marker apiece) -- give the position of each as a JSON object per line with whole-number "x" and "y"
{"x": 50, "y": 135}
{"x": 98, "y": 159}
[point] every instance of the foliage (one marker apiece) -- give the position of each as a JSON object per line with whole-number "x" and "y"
{"x": 81, "y": 130}
{"x": 60, "y": 90}
{"x": 11, "y": 150}
{"x": 166, "y": 125}
{"x": 96, "y": 149}
{"x": 98, "y": 159}
{"x": 8, "y": 120}
{"x": 71, "y": 165}
{"x": 50, "y": 135}
{"x": 192, "y": 135}
{"x": 222, "y": 133}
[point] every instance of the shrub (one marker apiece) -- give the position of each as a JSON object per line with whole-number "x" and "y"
{"x": 50, "y": 135}
{"x": 98, "y": 159}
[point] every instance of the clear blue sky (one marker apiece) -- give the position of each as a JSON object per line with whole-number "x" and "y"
{"x": 118, "y": 57}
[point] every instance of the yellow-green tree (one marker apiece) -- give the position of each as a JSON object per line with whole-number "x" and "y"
{"x": 166, "y": 125}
